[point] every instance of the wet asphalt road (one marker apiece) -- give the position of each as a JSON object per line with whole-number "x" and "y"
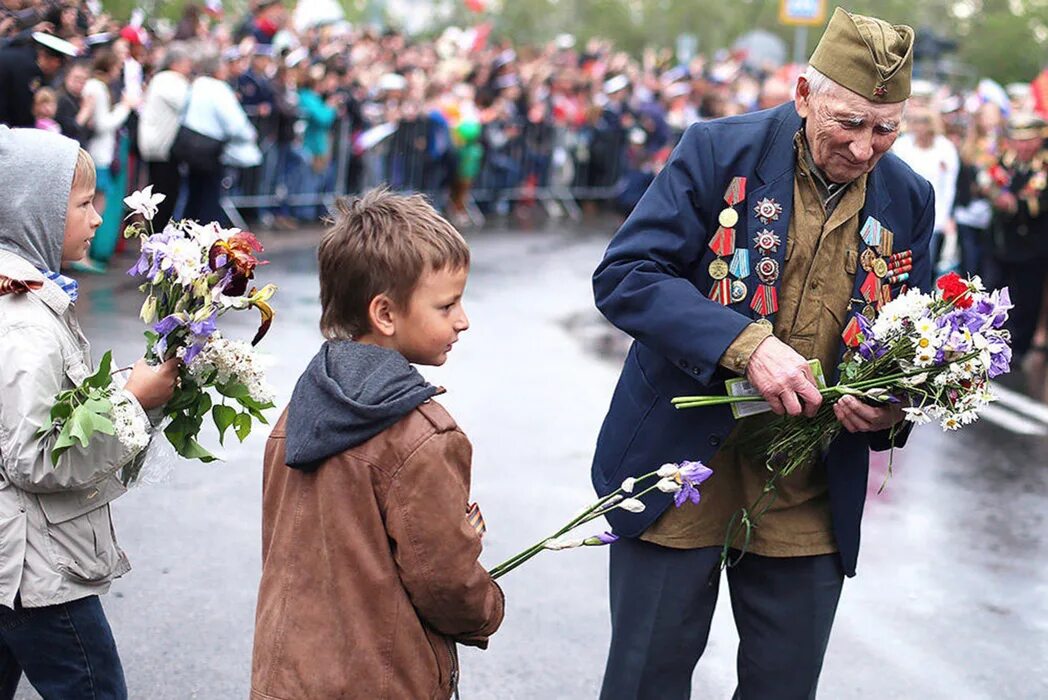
{"x": 951, "y": 600}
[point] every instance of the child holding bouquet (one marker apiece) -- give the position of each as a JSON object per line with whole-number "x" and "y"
{"x": 58, "y": 551}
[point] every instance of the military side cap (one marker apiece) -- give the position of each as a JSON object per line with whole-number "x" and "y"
{"x": 1022, "y": 127}
{"x": 866, "y": 55}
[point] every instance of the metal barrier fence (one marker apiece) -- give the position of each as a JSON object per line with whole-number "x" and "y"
{"x": 555, "y": 167}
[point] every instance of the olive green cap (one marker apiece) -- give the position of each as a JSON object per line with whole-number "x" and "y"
{"x": 866, "y": 55}
{"x": 1024, "y": 126}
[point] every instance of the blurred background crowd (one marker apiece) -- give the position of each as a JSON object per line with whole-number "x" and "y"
{"x": 269, "y": 114}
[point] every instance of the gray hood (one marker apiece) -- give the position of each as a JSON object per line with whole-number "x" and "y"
{"x": 36, "y": 176}
{"x": 349, "y": 393}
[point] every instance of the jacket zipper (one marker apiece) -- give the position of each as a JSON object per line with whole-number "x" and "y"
{"x": 454, "y": 668}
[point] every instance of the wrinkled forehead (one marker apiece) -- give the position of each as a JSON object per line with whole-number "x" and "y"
{"x": 840, "y": 102}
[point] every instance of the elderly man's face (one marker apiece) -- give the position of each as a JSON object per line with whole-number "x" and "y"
{"x": 847, "y": 133}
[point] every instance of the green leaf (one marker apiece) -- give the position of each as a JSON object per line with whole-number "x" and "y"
{"x": 203, "y": 404}
{"x": 234, "y": 390}
{"x": 183, "y": 399}
{"x": 99, "y": 406}
{"x": 191, "y": 449}
{"x": 259, "y": 416}
{"x": 223, "y": 417}
{"x": 242, "y": 425}
{"x": 61, "y": 410}
{"x": 101, "y": 378}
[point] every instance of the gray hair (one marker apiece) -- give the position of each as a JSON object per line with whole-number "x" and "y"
{"x": 176, "y": 52}
{"x": 819, "y": 85}
{"x": 208, "y": 64}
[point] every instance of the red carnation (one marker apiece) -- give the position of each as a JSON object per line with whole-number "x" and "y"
{"x": 955, "y": 289}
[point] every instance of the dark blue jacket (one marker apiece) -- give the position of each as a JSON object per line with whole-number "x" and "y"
{"x": 653, "y": 284}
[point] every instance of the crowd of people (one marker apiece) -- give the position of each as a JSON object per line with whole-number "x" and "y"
{"x": 298, "y": 113}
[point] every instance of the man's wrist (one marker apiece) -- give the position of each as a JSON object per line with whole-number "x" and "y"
{"x": 737, "y": 357}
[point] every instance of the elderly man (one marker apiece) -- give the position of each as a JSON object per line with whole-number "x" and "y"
{"x": 752, "y": 252}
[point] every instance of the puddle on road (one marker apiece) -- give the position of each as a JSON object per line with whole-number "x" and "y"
{"x": 598, "y": 337}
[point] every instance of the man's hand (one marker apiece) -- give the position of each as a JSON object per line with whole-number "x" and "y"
{"x": 858, "y": 417}
{"x": 783, "y": 378}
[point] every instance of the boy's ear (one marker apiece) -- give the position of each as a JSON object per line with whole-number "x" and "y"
{"x": 381, "y": 313}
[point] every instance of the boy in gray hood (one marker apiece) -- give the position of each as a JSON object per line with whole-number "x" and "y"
{"x": 58, "y": 551}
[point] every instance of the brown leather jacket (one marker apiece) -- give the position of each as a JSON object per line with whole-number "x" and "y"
{"x": 369, "y": 568}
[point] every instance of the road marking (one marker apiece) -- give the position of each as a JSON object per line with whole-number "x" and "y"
{"x": 1021, "y": 403}
{"x": 1011, "y": 421}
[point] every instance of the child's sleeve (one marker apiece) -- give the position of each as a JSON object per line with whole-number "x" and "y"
{"x": 436, "y": 548}
{"x": 32, "y": 372}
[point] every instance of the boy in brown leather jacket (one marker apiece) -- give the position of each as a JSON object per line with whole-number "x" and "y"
{"x": 369, "y": 566}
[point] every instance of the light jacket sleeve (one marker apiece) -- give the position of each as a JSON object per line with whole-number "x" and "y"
{"x": 643, "y": 284}
{"x": 436, "y": 549}
{"x": 32, "y": 372}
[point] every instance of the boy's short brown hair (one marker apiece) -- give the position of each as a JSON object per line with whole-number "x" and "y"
{"x": 84, "y": 173}
{"x": 380, "y": 243}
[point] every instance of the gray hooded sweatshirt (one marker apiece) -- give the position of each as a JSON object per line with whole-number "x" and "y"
{"x": 36, "y": 176}
{"x": 349, "y": 393}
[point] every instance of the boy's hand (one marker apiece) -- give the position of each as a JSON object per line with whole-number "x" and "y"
{"x": 153, "y": 386}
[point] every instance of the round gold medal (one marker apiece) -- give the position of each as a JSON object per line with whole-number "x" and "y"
{"x": 880, "y": 268}
{"x": 764, "y": 322}
{"x": 718, "y": 269}
{"x": 728, "y": 218}
{"x": 870, "y": 313}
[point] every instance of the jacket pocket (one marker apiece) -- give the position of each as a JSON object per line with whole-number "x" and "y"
{"x": 446, "y": 660}
{"x": 84, "y": 548}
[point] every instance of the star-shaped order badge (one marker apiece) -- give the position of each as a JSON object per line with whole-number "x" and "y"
{"x": 767, "y": 210}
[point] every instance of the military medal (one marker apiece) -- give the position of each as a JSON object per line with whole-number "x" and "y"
{"x": 728, "y": 218}
{"x": 887, "y": 240}
{"x": 852, "y": 332}
{"x": 736, "y": 191}
{"x": 870, "y": 287}
{"x": 885, "y": 296}
{"x": 740, "y": 263}
{"x": 718, "y": 269}
{"x": 866, "y": 259}
{"x": 768, "y": 270}
{"x": 880, "y": 268}
{"x": 721, "y": 292}
{"x": 870, "y": 313}
{"x": 723, "y": 242}
{"x": 766, "y": 242}
{"x": 871, "y": 232}
{"x": 767, "y": 210}
{"x": 765, "y": 300}
{"x": 738, "y": 291}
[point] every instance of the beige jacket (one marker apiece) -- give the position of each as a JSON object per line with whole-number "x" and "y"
{"x": 57, "y": 542}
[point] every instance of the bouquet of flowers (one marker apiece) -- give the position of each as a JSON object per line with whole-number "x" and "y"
{"x": 681, "y": 480}
{"x": 193, "y": 274}
{"x": 932, "y": 353}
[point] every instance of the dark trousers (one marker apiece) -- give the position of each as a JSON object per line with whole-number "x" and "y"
{"x": 662, "y": 603}
{"x": 66, "y": 651}
{"x": 205, "y": 195}
{"x": 165, "y": 179}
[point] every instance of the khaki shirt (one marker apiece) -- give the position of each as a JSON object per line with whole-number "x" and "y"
{"x": 818, "y": 277}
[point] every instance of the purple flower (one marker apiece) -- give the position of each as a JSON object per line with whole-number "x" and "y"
{"x": 1000, "y": 357}
{"x": 168, "y": 324}
{"x": 691, "y": 474}
{"x": 607, "y": 537}
{"x": 204, "y": 329}
{"x": 192, "y": 351}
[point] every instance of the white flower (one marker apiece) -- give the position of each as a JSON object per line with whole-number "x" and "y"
{"x": 632, "y": 505}
{"x": 144, "y": 202}
{"x": 559, "y": 543}
{"x": 924, "y": 326}
{"x": 975, "y": 283}
{"x": 925, "y": 357}
{"x": 184, "y": 256}
{"x": 668, "y": 485}
{"x": 968, "y": 417}
{"x": 130, "y": 428}
{"x": 668, "y": 469}
{"x": 950, "y": 422}
{"x": 916, "y": 380}
{"x": 628, "y": 484}
{"x": 917, "y": 416}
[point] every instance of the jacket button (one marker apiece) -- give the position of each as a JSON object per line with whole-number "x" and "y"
{"x": 715, "y": 440}
{"x": 684, "y": 364}
{"x": 694, "y": 370}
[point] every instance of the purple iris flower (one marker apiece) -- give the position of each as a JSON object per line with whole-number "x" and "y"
{"x": 168, "y": 324}
{"x": 192, "y": 351}
{"x": 691, "y": 475}
{"x": 1000, "y": 357}
{"x": 607, "y": 537}
{"x": 204, "y": 329}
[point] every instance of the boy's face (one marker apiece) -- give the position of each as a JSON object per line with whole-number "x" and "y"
{"x": 434, "y": 317}
{"x": 81, "y": 223}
